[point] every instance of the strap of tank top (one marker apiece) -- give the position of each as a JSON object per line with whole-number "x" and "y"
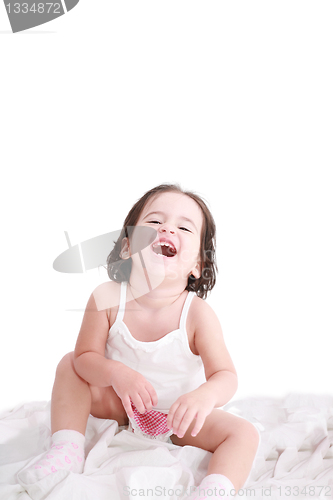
{"x": 186, "y": 307}
{"x": 122, "y": 301}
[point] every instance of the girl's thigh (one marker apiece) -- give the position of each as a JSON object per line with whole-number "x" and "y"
{"x": 106, "y": 404}
{"x": 218, "y": 426}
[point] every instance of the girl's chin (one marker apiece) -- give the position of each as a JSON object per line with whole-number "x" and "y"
{"x": 168, "y": 274}
{"x": 157, "y": 274}
{"x": 159, "y": 267}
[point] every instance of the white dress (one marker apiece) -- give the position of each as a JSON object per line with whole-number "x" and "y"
{"x": 168, "y": 364}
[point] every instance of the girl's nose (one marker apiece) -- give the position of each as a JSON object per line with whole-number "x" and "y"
{"x": 167, "y": 228}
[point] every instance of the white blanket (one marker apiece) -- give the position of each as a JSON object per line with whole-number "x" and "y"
{"x": 294, "y": 460}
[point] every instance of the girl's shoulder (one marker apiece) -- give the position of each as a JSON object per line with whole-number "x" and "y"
{"x": 201, "y": 305}
{"x": 199, "y": 313}
{"x": 107, "y": 298}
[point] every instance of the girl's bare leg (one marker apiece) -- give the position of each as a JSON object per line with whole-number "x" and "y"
{"x": 232, "y": 440}
{"x": 71, "y": 398}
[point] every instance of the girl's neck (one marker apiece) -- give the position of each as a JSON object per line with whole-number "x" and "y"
{"x": 162, "y": 296}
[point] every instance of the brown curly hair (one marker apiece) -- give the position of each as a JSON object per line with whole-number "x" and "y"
{"x": 119, "y": 270}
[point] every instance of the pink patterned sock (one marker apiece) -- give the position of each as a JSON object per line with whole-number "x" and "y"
{"x": 214, "y": 487}
{"x": 67, "y": 452}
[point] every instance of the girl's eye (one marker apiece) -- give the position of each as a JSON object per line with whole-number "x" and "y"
{"x": 185, "y": 229}
{"x": 154, "y": 222}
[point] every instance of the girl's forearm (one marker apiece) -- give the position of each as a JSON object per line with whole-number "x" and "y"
{"x": 221, "y": 387}
{"x": 95, "y": 368}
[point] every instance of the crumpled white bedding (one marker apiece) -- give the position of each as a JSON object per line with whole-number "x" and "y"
{"x": 294, "y": 460}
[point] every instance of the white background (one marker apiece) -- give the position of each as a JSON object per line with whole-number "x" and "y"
{"x": 230, "y": 99}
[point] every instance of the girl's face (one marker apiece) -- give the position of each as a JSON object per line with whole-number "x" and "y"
{"x": 178, "y": 220}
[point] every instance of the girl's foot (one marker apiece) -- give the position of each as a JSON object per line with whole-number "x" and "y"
{"x": 67, "y": 452}
{"x": 213, "y": 487}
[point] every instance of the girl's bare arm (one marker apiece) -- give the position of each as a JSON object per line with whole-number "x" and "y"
{"x": 220, "y": 374}
{"x": 92, "y": 365}
{"x": 219, "y": 369}
{"x": 89, "y": 354}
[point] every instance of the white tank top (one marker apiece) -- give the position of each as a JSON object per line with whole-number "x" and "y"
{"x": 168, "y": 363}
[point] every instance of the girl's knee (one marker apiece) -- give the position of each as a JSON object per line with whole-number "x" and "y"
{"x": 65, "y": 364}
{"x": 250, "y": 433}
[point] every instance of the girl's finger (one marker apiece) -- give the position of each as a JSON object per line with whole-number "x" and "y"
{"x": 146, "y": 399}
{"x": 186, "y": 422}
{"x": 171, "y": 413}
{"x": 178, "y": 418}
{"x": 127, "y": 406}
{"x": 138, "y": 403}
{"x": 153, "y": 395}
{"x": 199, "y": 421}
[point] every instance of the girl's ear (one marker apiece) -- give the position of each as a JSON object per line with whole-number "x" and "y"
{"x": 125, "y": 252}
{"x": 196, "y": 271}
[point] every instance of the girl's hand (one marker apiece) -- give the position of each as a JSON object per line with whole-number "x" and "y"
{"x": 196, "y": 404}
{"x": 129, "y": 385}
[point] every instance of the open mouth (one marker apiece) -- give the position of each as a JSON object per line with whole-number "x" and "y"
{"x": 164, "y": 248}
